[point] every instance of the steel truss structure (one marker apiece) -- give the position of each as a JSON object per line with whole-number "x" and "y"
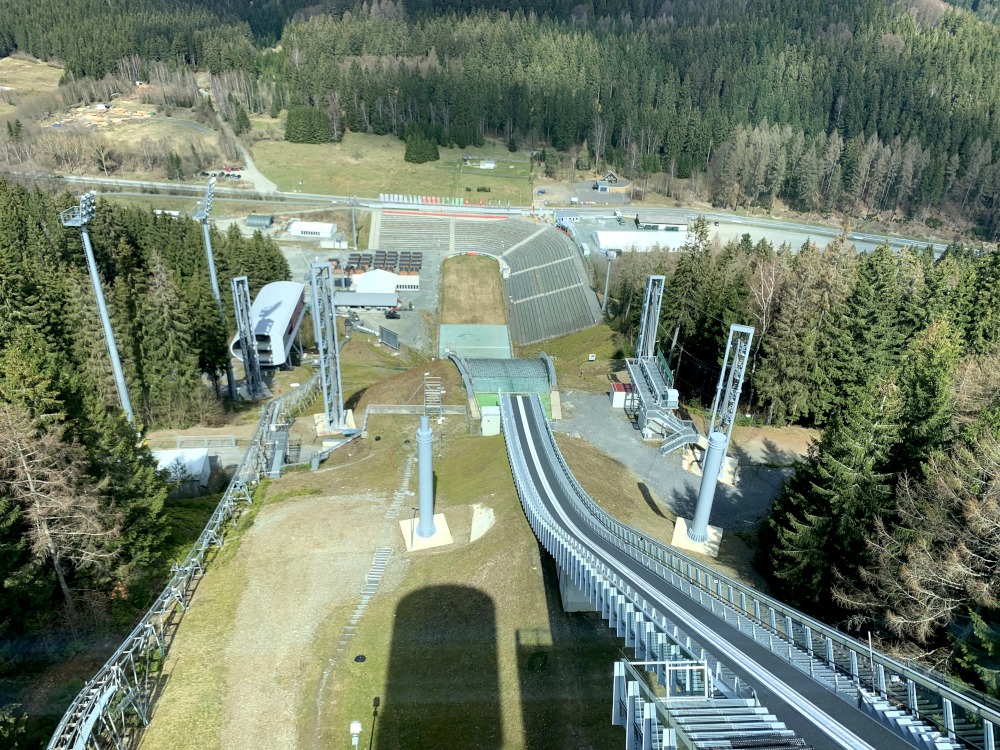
{"x": 248, "y": 341}
{"x": 115, "y": 704}
{"x": 653, "y": 397}
{"x": 325, "y": 329}
{"x": 649, "y": 323}
{"x": 727, "y": 395}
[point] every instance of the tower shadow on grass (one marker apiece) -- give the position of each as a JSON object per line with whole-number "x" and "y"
{"x": 442, "y": 687}
{"x": 565, "y": 675}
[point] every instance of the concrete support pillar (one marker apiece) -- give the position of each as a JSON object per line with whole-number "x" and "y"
{"x": 698, "y": 530}
{"x": 425, "y": 470}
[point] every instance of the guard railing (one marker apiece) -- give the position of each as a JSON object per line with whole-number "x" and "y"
{"x": 963, "y": 714}
{"x": 115, "y": 704}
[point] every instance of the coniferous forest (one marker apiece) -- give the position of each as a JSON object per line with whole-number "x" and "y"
{"x": 849, "y": 108}
{"x": 890, "y": 524}
{"x": 82, "y": 530}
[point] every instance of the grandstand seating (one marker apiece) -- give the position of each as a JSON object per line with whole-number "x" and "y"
{"x": 548, "y": 291}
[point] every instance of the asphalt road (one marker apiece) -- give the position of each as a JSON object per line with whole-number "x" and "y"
{"x": 812, "y": 712}
{"x": 730, "y": 225}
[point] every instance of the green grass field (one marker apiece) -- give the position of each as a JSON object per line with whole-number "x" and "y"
{"x": 571, "y": 353}
{"x": 367, "y": 165}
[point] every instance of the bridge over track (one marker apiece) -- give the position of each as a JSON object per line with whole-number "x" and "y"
{"x": 823, "y": 689}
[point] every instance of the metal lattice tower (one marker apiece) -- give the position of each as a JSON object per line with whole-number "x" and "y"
{"x": 325, "y": 329}
{"x": 727, "y": 394}
{"x": 201, "y": 213}
{"x": 78, "y": 216}
{"x": 248, "y": 341}
{"x": 432, "y": 396}
{"x": 645, "y": 345}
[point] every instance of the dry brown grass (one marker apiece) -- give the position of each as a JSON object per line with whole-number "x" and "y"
{"x": 472, "y": 291}
{"x": 571, "y": 353}
{"x": 616, "y": 489}
{"x": 26, "y": 76}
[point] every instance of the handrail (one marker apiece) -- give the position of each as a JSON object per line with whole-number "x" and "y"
{"x": 129, "y": 674}
{"x": 463, "y": 370}
{"x": 713, "y": 582}
{"x": 551, "y": 368}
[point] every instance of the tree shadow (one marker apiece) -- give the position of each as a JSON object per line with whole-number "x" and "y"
{"x": 443, "y": 685}
{"x": 648, "y": 497}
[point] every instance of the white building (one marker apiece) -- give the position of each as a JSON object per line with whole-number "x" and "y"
{"x": 319, "y": 230}
{"x": 379, "y": 281}
{"x": 639, "y": 241}
{"x": 275, "y": 315}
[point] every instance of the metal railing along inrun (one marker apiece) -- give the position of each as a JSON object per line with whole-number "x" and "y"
{"x": 115, "y": 704}
{"x": 841, "y": 663}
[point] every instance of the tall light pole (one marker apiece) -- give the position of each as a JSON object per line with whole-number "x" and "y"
{"x": 201, "y": 213}
{"x": 78, "y": 216}
{"x": 354, "y": 226}
{"x": 607, "y": 281}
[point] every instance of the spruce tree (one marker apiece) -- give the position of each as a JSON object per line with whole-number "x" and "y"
{"x": 169, "y": 362}
{"x": 818, "y": 528}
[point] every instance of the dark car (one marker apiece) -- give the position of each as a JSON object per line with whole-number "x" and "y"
{"x": 392, "y": 314}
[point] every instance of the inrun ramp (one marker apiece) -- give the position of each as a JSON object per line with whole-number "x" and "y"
{"x": 811, "y": 677}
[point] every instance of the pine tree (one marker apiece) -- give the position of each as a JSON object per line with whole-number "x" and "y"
{"x": 816, "y": 535}
{"x": 169, "y": 362}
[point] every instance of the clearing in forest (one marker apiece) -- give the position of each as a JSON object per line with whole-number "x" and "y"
{"x": 472, "y": 291}
{"x": 367, "y": 165}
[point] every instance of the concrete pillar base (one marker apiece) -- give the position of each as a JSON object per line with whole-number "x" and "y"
{"x": 680, "y": 539}
{"x": 323, "y": 431}
{"x": 440, "y": 538}
{"x": 691, "y": 462}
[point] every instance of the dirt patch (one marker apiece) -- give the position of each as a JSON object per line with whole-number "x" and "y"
{"x": 472, "y": 292}
{"x": 772, "y": 446}
{"x": 281, "y": 609}
{"x": 778, "y": 447}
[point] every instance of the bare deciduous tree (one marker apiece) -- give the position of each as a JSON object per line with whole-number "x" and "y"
{"x": 67, "y": 525}
{"x": 943, "y": 554}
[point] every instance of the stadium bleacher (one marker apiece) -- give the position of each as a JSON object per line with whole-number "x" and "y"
{"x": 548, "y": 290}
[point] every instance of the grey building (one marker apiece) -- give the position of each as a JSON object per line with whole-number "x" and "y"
{"x": 260, "y": 221}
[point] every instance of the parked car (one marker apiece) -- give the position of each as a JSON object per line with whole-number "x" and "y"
{"x": 392, "y": 314}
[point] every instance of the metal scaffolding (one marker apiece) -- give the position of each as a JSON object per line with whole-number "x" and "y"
{"x": 325, "y": 329}
{"x": 727, "y": 394}
{"x": 201, "y": 213}
{"x": 248, "y": 341}
{"x": 78, "y": 216}
{"x": 645, "y": 345}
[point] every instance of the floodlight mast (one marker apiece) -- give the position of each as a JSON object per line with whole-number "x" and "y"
{"x": 78, "y": 216}
{"x": 201, "y": 212}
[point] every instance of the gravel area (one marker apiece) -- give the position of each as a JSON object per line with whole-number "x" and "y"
{"x": 741, "y": 508}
